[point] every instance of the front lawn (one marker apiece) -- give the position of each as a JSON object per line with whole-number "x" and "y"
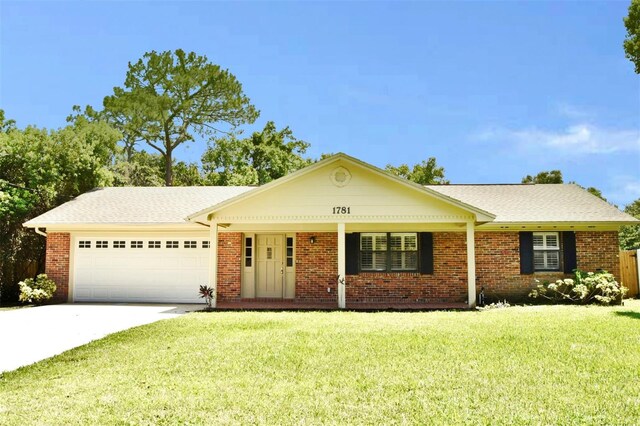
{"x": 526, "y": 365}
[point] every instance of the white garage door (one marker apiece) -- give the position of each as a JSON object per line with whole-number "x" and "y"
{"x": 167, "y": 270}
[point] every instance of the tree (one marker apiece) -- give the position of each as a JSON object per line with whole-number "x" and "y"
{"x": 553, "y": 176}
{"x": 425, "y": 173}
{"x": 256, "y": 160}
{"x": 630, "y": 234}
{"x": 170, "y": 97}
{"x": 632, "y": 39}
{"x": 39, "y": 170}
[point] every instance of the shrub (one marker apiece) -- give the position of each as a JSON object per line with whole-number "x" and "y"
{"x": 206, "y": 293}
{"x": 36, "y": 291}
{"x": 587, "y": 287}
{"x": 498, "y": 305}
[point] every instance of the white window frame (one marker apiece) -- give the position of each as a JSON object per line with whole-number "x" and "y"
{"x": 387, "y": 253}
{"x": 545, "y": 249}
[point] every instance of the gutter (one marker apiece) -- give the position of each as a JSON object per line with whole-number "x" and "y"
{"x": 39, "y": 232}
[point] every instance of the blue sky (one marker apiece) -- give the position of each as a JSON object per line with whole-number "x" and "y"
{"x": 493, "y": 90}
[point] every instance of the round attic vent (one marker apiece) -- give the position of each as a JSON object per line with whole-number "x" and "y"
{"x": 340, "y": 176}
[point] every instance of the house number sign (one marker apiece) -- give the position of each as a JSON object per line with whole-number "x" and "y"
{"x": 342, "y": 210}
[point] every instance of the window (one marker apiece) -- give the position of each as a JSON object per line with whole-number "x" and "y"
{"x": 136, "y": 244}
{"x": 289, "y": 251}
{"x": 154, "y": 244}
{"x": 546, "y": 251}
{"x": 392, "y": 251}
{"x": 84, "y": 244}
{"x": 172, "y": 244}
{"x": 119, "y": 244}
{"x": 205, "y": 244}
{"x": 102, "y": 244}
{"x": 190, "y": 244}
{"x": 404, "y": 251}
{"x": 248, "y": 251}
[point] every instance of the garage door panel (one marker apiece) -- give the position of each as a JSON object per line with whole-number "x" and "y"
{"x": 135, "y": 274}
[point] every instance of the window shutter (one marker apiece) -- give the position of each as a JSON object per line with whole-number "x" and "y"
{"x": 426, "y": 253}
{"x": 526, "y": 253}
{"x": 569, "y": 251}
{"x": 352, "y": 252}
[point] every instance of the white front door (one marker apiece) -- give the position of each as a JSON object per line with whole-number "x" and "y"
{"x": 269, "y": 265}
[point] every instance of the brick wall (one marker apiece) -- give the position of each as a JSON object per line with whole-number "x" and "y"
{"x": 448, "y": 283}
{"x": 229, "y": 265}
{"x": 498, "y": 262}
{"x": 316, "y": 266}
{"x": 598, "y": 250}
{"x": 57, "y": 263}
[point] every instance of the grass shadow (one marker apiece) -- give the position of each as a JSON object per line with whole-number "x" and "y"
{"x": 628, "y": 314}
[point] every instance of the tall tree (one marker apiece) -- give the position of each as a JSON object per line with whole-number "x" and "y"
{"x": 256, "y": 160}
{"x": 630, "y": 235}
{"x": 553, "y": 176}
{"x": 170, "y": 97}
{"x": 632, "y": 39}
{"x": 425, "y": 173}
{"x": 39, "y": 170}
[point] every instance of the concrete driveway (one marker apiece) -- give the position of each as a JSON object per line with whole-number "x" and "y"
{"x": 29, "y": 335}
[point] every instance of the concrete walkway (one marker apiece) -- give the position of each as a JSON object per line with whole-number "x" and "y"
{"x": 29, "y": 335}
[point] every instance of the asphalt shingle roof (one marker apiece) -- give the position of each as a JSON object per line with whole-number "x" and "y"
{"x": 535, "y": 203}
{"x": 144, "y": 205}
{"x": 171, "y": 205}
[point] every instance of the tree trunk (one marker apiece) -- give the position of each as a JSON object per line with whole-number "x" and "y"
{"x": 168, "y": 170}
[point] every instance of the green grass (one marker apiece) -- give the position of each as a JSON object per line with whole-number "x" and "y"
{"x": 524, "y": 365}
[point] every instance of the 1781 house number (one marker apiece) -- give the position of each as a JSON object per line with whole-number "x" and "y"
{"x": 342, "y": 210}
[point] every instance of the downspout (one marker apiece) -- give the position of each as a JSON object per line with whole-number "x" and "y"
{"x": 39, "y": 232}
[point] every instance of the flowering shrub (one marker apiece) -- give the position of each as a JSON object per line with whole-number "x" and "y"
{"x": 587, "y": 287}
{"x": 37, "y": 291}
{"x": 497, "y": 305}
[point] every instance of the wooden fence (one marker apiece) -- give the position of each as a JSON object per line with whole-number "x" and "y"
{"x": 629, "y": 271}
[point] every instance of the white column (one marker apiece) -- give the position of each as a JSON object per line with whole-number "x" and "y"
{"x": 213, "y": 261}
{"x": 342, "y": 268}
{"x": 471, "y": 264}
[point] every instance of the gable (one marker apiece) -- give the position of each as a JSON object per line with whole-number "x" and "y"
{"x": 342, "y": 189}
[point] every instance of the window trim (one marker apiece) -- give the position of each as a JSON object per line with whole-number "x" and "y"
{"x": 547, "y": 249}
{"x": 388, "y": 253}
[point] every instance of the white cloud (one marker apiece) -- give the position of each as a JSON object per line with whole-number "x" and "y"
{"x": 624, "y": 190}
{"x": 571, "y": 111}
{"x": 580, "y": 138}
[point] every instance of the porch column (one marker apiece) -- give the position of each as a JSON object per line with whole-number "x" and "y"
{"x": 213, "y": 261}
{"x": 342, "y": 269}
{"x": 471, "y": 264}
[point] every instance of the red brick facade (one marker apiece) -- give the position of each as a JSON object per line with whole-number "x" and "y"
{"x": 497, "y": 268}
{"x": 229, "y": 265}
{"x": 316, "y": 266}
{"x": 448, "y": 283}
{"x": 57, "y": 263}
{"x": 498, "y": 262}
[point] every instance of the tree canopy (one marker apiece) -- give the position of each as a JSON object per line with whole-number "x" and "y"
{"x": 40, "y": 169}
{"x": 552, "y": 176}
{"x": 632, "y": 39}
{"x": 256, "y": 160}
{"x": 169, "y": 98}
{"x": 425, "y": 173}
{"x": 630, "y": 235}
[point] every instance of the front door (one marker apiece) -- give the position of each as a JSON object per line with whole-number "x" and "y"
{"x": 269, "y": 266}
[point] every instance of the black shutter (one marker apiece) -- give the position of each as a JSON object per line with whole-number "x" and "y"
{"x": 526, "y": 253}
{"x": 426, "y": 253}
{"x": 352, "y": 252}
{"x": 569, "y": 251}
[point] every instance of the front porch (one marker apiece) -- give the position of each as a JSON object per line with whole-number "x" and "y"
{"x": 299, "y": 305}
